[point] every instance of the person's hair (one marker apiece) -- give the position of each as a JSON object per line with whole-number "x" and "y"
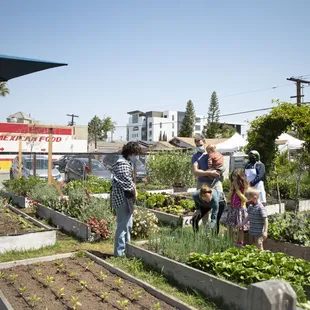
{"x": 251, "y": 192}
{"x": 211, "y": 148}
{"x": 199, "y": 138}
{"x": 131, "y": 148}
{"x": 239, "y": 176}
{"x": 205, "y": 189}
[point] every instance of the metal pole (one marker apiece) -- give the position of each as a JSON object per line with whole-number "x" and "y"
{"x": 90, "y": 164}
{"x": 20, "y": 150}
{"x": 50, "y": 153}
{"x": 34, "y": 164}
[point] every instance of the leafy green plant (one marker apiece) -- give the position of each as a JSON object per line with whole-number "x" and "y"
{"x": 123, "y": 303}
{"x": 49, "y": 280}
{"x": 60, "y": 292}
{"x": 104, "y": 295}
{"x": 72, "y": 274}
{"x": 249, "y": 265}
{"x": 13, "y": 277}
{"x": 38, "y": 272}
{"x": 22, "y": 290}
{"x": 2, "y": 275}
{"x": 94, "y": 185}
{"x": 137, "y": 294}
{"x": 144, "y": 223}
{"x": 177, "y": 244}
{"x": 34, "y": 300}
{"x": 103, "y": 276}
{"x": 75, "y": 302}
{"x": 83, "y": 284}
{"x": 151, "y": 187}
{"x": 22, "y": 186}
{"x": 157, "y": 306}
{"x": 89, "y": 264}
{"x": 290, "y": 227}
{"x": 119, "y": 282}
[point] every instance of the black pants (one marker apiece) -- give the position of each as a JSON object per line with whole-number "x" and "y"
{"x": 204, "y": 211}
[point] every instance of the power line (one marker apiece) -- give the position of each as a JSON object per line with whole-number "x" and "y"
{"x": 258, "y": 90}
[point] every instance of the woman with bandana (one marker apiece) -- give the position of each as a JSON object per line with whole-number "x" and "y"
{"x": 255, "y": 173}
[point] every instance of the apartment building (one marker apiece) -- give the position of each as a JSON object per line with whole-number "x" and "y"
{"x": 154, "y": 126}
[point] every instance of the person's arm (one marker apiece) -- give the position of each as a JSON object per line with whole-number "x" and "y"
{"x": 246, "y": 220}
{"x": 238, "y": 192}
{"x": 215, "y": 208}
{"x": 260, "y": 173}
{"x": 201, "y": 173}
{"x": 197, "y": 200}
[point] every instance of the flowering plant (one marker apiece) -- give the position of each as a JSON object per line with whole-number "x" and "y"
{"x": 144, "y": 223}
{"x": 99, "y": 227}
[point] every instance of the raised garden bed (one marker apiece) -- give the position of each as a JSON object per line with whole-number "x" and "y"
{"x": 292, "y": 249}
{"x": 232, "y": 295}
{"x": 173, "y": 210}
{"x": 66, "y": 223}
{"x": 21, "y": 201}
{"x": 171, "y": 219}
{"x": 20, "y": 232}
{"x": 68, "y": 281}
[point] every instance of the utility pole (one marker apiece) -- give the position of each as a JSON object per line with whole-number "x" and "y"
{"x": 73, "y": 116}
{"x": 299, "y": 83}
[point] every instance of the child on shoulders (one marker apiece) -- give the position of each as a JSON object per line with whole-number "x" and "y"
{"x": 215, "y": 162}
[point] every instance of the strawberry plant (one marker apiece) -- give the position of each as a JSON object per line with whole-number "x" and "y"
{"x": 22, "y": 290}
{"x": 103, "y": 295}
{"x": 34, "y": 299}
{"x": 60, "y": 292}
{"x": 249, "y": 265}
{"x": 123, "y": 303}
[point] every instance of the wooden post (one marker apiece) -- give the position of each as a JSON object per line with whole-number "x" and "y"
{"x": 50, "y": 153}
{"x": 34, "y": 164}
{"x": 20, "y": 158}
{"x": 57, "y": 188}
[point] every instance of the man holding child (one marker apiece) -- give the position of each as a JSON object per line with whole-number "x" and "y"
{"x": 207, "y": 166}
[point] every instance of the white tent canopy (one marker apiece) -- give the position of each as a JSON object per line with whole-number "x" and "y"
{"x": 290, "y": 142}
{"x": 232, "y": 144}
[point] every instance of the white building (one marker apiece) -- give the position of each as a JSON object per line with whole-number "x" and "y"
{"x": 155, "y": 126}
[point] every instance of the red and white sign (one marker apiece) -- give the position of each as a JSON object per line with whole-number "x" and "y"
{"x": 36, "y": 139}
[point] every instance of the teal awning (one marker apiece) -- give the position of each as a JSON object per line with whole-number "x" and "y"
{"x": 13, "y": 67}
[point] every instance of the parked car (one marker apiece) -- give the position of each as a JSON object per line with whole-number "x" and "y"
{"x": 77, "y": 169}
{"x": 109, "y": 160}
{"x": 27, "y": 168}
{"x": 62, "y": 162}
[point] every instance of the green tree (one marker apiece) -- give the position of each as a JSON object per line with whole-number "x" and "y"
{"x": 227, "y": 131}
{"x": 95, "y": 130}
{"x": 3, "y": 89}
{"x": 107, "y": 125}
{"x": 188, "y": 123}
{"x": 212, "y": 129}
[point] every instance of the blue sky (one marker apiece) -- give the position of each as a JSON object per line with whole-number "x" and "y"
{"x": 153, "y": 55}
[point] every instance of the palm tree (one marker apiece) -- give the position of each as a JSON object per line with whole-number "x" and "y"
{"x": 3, "y": 89}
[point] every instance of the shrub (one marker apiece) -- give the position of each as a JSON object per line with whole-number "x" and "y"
{"x": 94, "y": 185}
{"x": 290, "y": 227}
{"x": 78, "y": 204}
{"x": 22, "y": 186}
{"x": 171, "y": 168}
{"x": 144, "y": 223}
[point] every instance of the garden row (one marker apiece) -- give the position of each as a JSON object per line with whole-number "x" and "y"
{"x": 95, "y": 217}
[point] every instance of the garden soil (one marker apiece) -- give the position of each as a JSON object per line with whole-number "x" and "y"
{"x": 31, "y": 281}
